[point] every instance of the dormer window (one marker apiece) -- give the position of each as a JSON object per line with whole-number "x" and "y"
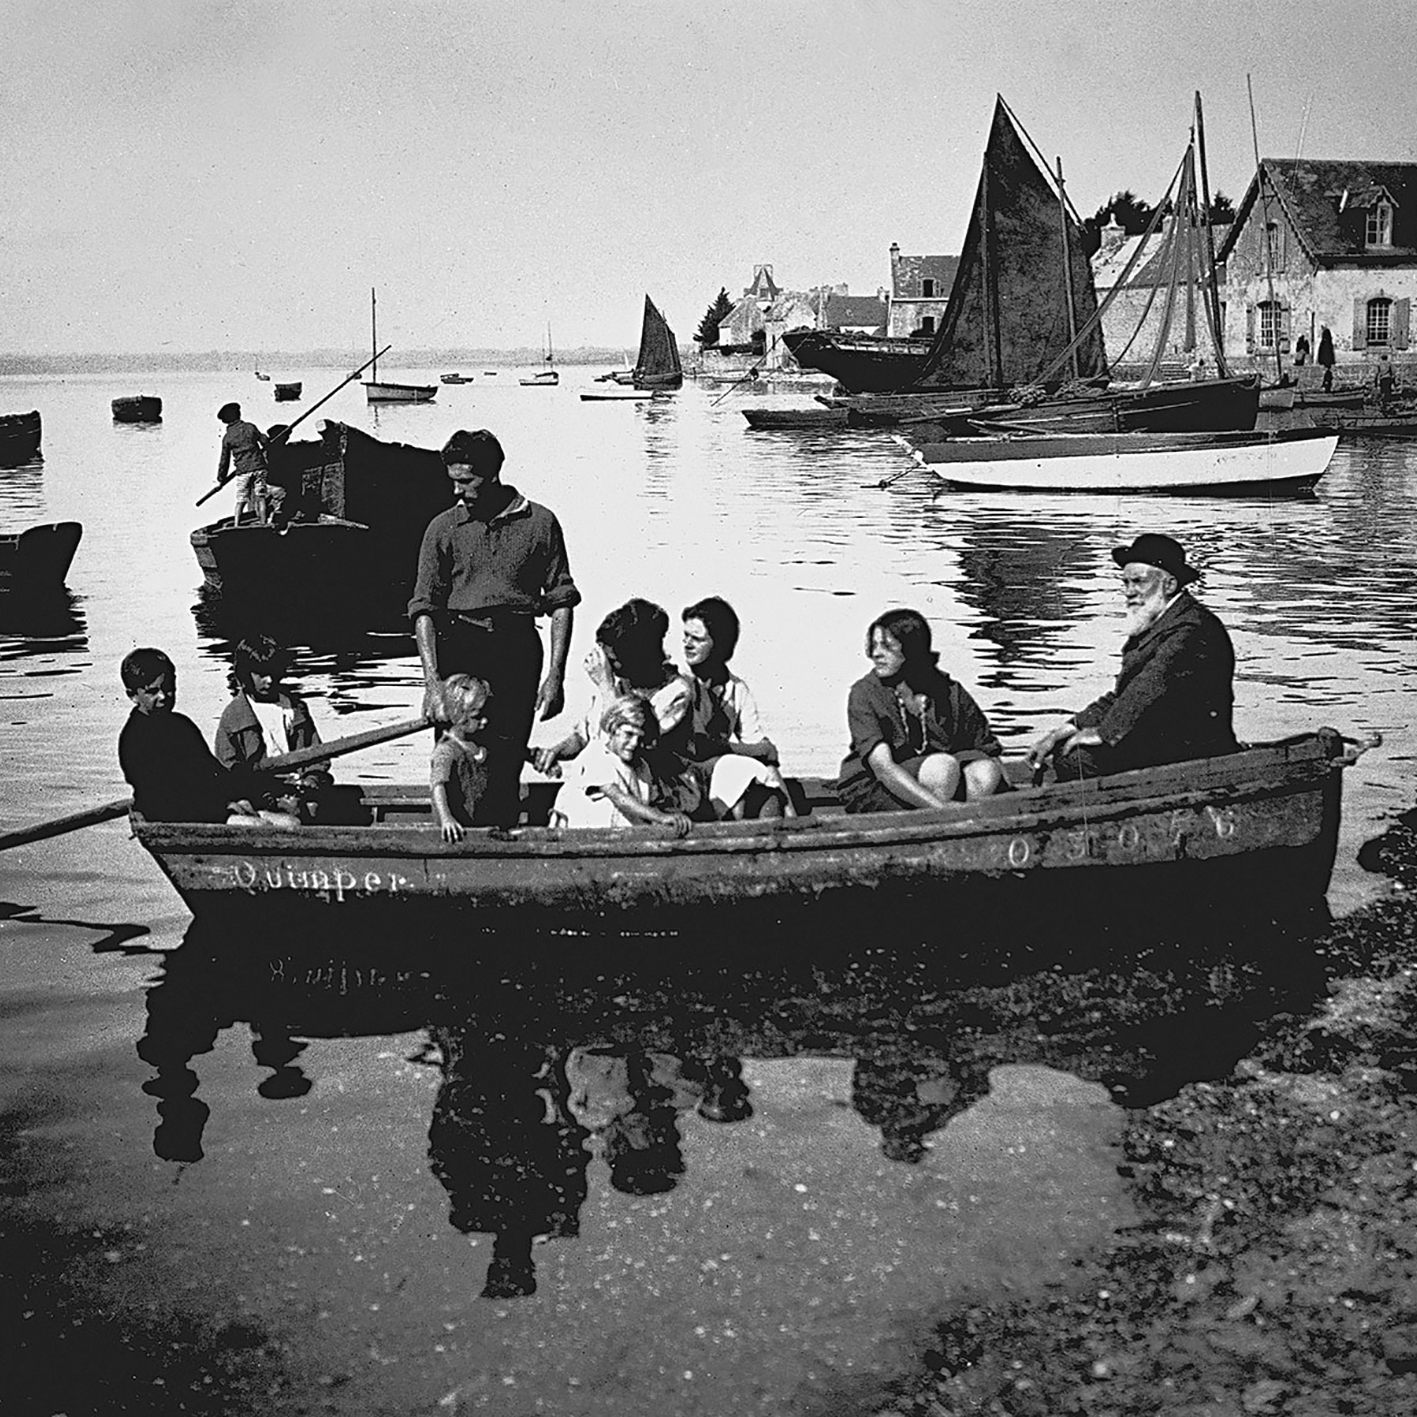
{"x": 1379, "y": 227}
{"x": 927, "y": 288}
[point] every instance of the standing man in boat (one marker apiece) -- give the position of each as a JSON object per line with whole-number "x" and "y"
{"x": 243, "y": 456}
{"x": 487, "y": 568}
{"x": 1174, "y": 695}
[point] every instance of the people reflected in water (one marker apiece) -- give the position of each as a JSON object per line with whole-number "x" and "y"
{"x": 911, "y": 1092}
{"x": 506, "y": 1147}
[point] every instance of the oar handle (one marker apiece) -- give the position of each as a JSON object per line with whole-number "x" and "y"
{"x": 322, "y": 752}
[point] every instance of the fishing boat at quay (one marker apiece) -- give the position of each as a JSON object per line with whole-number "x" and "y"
{"x": 657, "y": 366}
{"x": 1262, "y": 821}
{"x": 1277, "y": 461}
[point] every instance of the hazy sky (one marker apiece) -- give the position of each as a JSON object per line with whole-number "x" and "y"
{"x": 191, "y": 175}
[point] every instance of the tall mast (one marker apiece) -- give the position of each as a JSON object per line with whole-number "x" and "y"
{"x": 373, "y": 338}
{"x": 990, "y": 283}
{"x": 1212, "y": 290}
{"x": 1068, "y": 277}
{"x": 1264, "y": 223}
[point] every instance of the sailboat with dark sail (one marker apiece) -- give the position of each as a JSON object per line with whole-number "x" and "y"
{"x": 1021, "y": 341}
{"x": 658, "y": 365}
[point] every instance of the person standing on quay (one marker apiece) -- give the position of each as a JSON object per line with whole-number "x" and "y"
{"x": 487, "y": 568}
{"x": 1325, "y": 358}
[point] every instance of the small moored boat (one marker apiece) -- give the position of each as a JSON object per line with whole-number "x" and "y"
{"x": 137, "y": 408}
{"x": 286, "y": 392}
{"x": 1259, "y": 825}
{"x": 796, "y": 418}
{"x": 38, "y": 558}
{"x": 19, "y": 438}
{"x": 455, "y": 378}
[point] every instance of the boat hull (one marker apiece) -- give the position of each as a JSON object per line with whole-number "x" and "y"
{"x": 1264, "y": 820}
{"x": 140, "y": 408}
{"x": 1284, "y": 462}
{"x": 20, "y": 435}
{"x": 38, "y": 558}
{"x": 286, "y": 392}
{"x": 400, "y": 393}
{"x": 548, "y": 378}
{"x": 774, "y": 418}
{"x": 616, "y": 395}
{"x": 861, "y": 364}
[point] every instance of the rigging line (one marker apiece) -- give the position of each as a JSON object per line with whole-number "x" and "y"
{"x": 1106, "y": 303}
{"x": 1038, "y": 156}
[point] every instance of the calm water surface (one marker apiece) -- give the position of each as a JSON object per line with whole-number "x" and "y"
{"x": 272, "y": 1175}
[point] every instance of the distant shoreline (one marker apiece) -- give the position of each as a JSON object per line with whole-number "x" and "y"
{"x": 229, "y": 361}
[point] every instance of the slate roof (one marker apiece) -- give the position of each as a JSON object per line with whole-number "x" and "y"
{"x": 854, "y": 310}
{"x": 1155, "y": 265}
{"x": 1311, "y": 192}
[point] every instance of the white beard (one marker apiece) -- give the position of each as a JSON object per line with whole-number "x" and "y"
{"x": 1141, "y": 618}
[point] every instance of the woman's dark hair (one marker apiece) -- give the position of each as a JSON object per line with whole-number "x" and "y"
{"x": 257, "y": 654}
{"x": 911, "y": 631}
{"x": 634, "y": 634}
{"x": 720, "y": 620}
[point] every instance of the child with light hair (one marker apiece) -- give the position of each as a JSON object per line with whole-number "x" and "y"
{"x": 613, "y": 783}
{"x": 458, "y": 771}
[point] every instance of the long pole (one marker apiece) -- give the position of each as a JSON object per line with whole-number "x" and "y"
{"x": 291, "y": 427}
{"x": 1068, "y": 276}
{"x": 1275, "y": 323}
{"x": 373, "y": 336}
{"x": 1212, "y": 290}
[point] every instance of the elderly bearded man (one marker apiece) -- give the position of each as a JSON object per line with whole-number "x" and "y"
{"x": 1174, "y": 696}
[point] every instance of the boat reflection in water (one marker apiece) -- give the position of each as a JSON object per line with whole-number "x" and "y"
{"x": 566, "y": 1074}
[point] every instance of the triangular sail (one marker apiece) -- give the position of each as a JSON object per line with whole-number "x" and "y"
{"x": 657, "y": 366}
{"x": 1023, "y": 285}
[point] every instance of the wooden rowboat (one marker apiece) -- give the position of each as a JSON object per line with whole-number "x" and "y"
{"x": 137, "y": 408}
{"x": 1257, "y": 827}
{"x": 38, "y": 558}
{"x": 19, "y": 438}
{"x": 286, "y": 392}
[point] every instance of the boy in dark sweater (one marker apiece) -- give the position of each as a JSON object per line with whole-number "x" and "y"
{"x": 163, "y": 755}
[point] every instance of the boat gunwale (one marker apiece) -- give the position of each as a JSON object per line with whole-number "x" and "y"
{"x": 1257, "y": 773}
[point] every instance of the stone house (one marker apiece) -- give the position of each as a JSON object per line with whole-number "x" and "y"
{"x": 1341, "y": 239}
{"x": 920, "y": 290}
{"x": 1135, "y": 316}
{"x": 742, "y": 327}
{"x": 790, "y": 311}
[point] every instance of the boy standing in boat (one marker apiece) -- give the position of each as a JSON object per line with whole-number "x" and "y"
{"x": 487, "y": 568}
{"x": 1174, "y": 696}
{"x": 243, "y": 456}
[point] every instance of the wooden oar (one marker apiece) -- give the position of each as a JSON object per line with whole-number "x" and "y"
{"x": 290, "y": 428}
{"x": 286, "y": 762}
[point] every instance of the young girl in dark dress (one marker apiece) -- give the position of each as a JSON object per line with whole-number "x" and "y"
{"x": 917, "y": 738}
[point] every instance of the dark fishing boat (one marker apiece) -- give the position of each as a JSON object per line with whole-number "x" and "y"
{"x": 286, "y": 392}
{"x": 138, "y": 408}
{"x": 357, "y": 510}
{"x": 1022, "y": 331}
{"x": 1371, "y": 421}
{"x": 657, "y": 366}
{"x": 1259, "y": 825}
{"x": 861, "y": 364}
{"x": 19, "y": 438}
{"x": 38, "y": 558}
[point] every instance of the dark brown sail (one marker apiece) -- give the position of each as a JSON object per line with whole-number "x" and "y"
{"x": 658, "y": 365}
{"x": 1015, "y": 303}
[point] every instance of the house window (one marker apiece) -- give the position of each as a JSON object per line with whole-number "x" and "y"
{"x": 927, "y": 289}
{"x": 1379, "y": 232}
{"x": 927, "y": 322}
{"x": 1271, "y": 323}
{"x": 1274, "y": 245}
{"x": 1379, "y": 322}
